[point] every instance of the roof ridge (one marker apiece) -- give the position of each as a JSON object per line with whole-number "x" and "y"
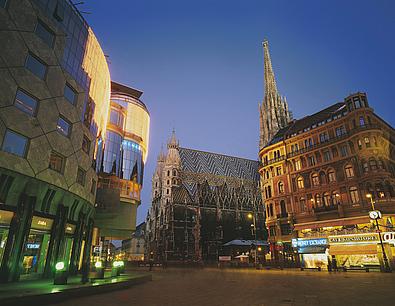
{"x": 220, "y": 154}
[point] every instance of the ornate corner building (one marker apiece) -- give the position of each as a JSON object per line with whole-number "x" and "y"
{"x": 200, "y": 201}
{"x": 315, "y": 175}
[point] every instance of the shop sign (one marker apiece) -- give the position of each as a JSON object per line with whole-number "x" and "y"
{"x": 70, "y": 228}
{"x": 352, "y": 239}
{"x": 388, "y": 237}
{"x": 6, "y": 217}
{"x": 41, "y": 223}
{"x": 32, "y": 246}
{"x": 310, "y": 246}
{"x": 224, "y": 258}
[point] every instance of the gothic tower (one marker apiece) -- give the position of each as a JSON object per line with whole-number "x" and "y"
{"x": 273, "y": 112}
{"x": 171, "y": 168}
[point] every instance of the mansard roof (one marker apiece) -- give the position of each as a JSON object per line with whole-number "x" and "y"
{"x": 218, "y": 164}
{"x": 299, "y": 126}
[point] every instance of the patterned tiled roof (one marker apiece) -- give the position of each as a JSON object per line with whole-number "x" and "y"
{"x": 218, "y": 164}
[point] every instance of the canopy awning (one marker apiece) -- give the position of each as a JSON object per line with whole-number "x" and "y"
{"x": 239, "y": 242}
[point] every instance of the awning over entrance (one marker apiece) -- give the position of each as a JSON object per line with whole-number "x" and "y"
{"x": 335, "y": 222}
{"x": 353, "y": 249}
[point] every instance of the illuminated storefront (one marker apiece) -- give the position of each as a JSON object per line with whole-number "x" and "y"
{"x": 362, "y": 250}
{"x": 313, "y": 253}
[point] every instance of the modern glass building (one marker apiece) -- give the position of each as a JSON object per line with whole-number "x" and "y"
{"x": 122, "y": 168}
{"x": 54, "y": 103}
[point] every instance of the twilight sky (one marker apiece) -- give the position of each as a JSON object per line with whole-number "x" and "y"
{"x": 200, "y": 63}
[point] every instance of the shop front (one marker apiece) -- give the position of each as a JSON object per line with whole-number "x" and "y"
{"x": 36, "y": 246}
{"x": 5, "y": 220}
{"x": 356, "y": 250}
{"x": 313, "y": 253}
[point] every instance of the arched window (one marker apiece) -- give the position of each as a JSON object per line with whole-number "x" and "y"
{"x": 361, "y": 121}
{"x": 380, "y": 191}
{"x": 168, "y": 172}
{"x": 315, "y": 179}
{"x": 280, "y": 187}
{"x": 372, "y": 164}
{"x": 335, "y": 198}
{"x": 349, "y": 171}
{"x": 331, "y": 176}
{"x": 174, "y": 181}
{"x": 168, "y": 182}
{"x": 365, "y": 166}
{"x": 174, "y": 172}
{"x": 267, "y": 175}
{"x": 271, "y": 210}
{"x": 300, "y": 182}
{"x": 359, "y": 144}
{"x": 354, "y": 196}
{"x": 327, "y": 199}
{"x": 298, "y": 165}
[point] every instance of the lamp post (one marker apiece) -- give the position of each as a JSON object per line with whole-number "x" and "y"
{"x": 252, "y": 216}
{"x": 376, "y": 215}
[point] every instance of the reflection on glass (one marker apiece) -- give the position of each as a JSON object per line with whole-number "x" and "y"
{"x": 25, "y": 102}
{"x": 14, "y": 143}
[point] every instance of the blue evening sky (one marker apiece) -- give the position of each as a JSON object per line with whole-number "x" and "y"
{"x": 200, "y": 63}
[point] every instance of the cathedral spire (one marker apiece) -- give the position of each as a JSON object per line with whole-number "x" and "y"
{"x": 273, "y": 113}
{"x": 270, "y": 81}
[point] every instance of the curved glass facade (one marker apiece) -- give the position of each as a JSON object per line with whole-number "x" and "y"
{"x": 112, "y": 153}
{"x": 132, "y": 161}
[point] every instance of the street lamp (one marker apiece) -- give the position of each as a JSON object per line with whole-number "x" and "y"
{"x": 375, "y": 215}
{"x": 252, "y": 216}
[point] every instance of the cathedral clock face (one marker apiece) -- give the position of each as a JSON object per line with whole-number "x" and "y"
{"x": 375, "y": 214}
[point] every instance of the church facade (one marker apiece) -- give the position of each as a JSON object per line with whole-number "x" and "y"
{"x": 200, "y": 201}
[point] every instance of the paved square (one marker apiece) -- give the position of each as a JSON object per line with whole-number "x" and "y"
{"x": 252, "y": 287}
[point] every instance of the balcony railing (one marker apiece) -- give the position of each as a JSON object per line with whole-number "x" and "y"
{"x": 325, "y": 208}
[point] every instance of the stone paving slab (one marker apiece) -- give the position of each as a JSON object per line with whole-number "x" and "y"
{"x": 43, "y": 292}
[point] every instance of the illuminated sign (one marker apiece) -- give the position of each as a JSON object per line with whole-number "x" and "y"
{"x": 32, "y": 246}
{"x": 41, "y": 223}
{"x": 352, "y": 239}
{"x": 70, "y": 228}
{"x": 389, "y": 237}
{"x": 6, "y": 217}
{"x": 310, "y": 246}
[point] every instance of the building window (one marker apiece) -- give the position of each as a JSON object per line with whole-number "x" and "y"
{"x": 56, "y": 162}
{"x": 36, "y": 66}
{"x": 93, "y": 186}
{"x": 354, "y": 196}
{"x": 318, "y": 200}
{"x": 332, "y": 176}
{"x": 174, "y": 172}
{"x": 380, "y": 164}
{"x": 359, "y": 144}
{"x": 302, "y": 203}
{"x": 300, "y": 182}
{"x": 285, "y": 229}
{"x": 25, "y": 102}
{"x": 324, "y": 137}
{"x": 343, "y": 151}
{"x": 367, "y": 142}
{"x": 116, "y": 118}
{"x": 272, "y": 231}
{"x": 63, "y": 127}
{"x": 372, "y": 164}
{"x": 86, "y": 144}
{"x": 327, "y": 199}
{"x": 298, "y": 165}
{"x": 58, "y": 13}
{"x": 167, "y": 191}
{"x": 315, "y": 179}
{"x": 365, "y": 166}
{"x": 340, "y": 131}
{"x": 168, "y": 172}
{"x": 327, "y": 156}
{"x": 81, "y": 176}
{"x": 361, "y": 121}
{"x": 3, "y": 3}
{"x": 278, "y": 170}
{"x": 349, "y": 171}
{"x": 168, "y": 182}
{"x": 45, "y": 33}
{"x": 14, "y": 143}
{"x": 70, "y": 94}
{"x": 311, "y": 160}
{"x": 280, "y": 187}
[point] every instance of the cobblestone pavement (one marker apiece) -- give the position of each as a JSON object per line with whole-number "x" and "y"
{"x": 252, "y": 287}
